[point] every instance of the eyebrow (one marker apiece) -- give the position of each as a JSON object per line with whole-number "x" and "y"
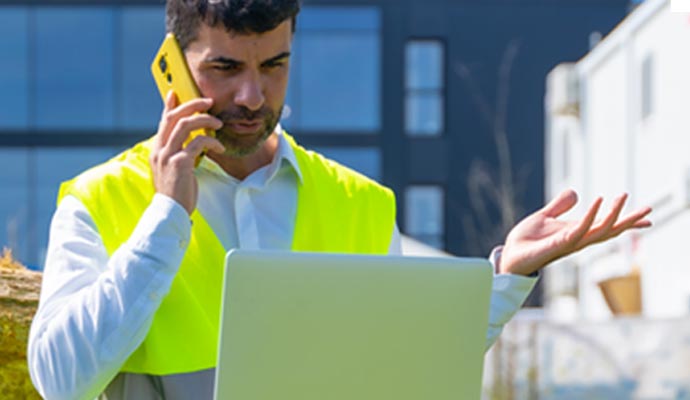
{"x": 233, "y": 62}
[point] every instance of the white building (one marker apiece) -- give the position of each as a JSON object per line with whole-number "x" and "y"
{"x": 618, "y": 121}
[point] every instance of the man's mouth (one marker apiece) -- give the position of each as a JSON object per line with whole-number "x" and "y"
{"x": 245, "y": 126}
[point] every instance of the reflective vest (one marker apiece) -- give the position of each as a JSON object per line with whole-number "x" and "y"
{"x": 338, "y": 210}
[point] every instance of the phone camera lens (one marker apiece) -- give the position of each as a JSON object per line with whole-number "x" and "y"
{"x": 169, "y": 78}
{"x": 163, "y": 64}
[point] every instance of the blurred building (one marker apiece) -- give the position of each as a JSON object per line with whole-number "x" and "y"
{"x": 442, "y": 100}
{"x": 618, "y": 121}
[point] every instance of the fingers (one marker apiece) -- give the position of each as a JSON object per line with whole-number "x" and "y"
{"x": 645, "y": 223}
{"x": 583, "y": 227}
{"x": 202, "y": 143}
{"x": 603, "y": 228}
{"x": 561, "y": 204}
{"x": 633, "y": 220}
{"x": 177, "y": 123}
{"x": 173, "y": 113}
{"x": 188, "y": 124}
{"x": 164, "y": 124}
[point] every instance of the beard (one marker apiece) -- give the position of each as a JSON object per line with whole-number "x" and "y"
{"x": 244, "y": 144}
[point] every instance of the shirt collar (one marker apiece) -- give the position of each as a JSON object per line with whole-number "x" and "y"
{"x": 284, "y": 157}
{"x": 285, "y": 154}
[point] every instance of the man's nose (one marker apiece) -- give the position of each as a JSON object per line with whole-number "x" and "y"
{"x": 250, "y": 93}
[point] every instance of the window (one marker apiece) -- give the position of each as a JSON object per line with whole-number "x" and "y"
{"x": 79, "y": 67}
{"x": 30, "y": 179}
{"x": 424, "y": 87}
{"x": 365, "y": 160}
{"x": 14, "y": 75}
{"x": 49, "y": 168}
{"x": 14, "y": 200}
{"x": 335, "y": 71}
{"x": 74, "y": 68}
{"x": 424, "y": 214}
{"x": 647, "y": 86}
{"x": 141, "y": 32}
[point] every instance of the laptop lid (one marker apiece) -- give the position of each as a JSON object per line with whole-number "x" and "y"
{"x": 317, "y": 326}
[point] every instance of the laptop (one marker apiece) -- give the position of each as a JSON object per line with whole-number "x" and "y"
{"x": 319, "y": 326}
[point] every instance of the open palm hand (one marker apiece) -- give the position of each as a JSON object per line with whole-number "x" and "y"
{"x": 542, "y": 238}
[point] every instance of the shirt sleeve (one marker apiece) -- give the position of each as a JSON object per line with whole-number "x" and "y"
{"x": 508, "y": 291}
{"x": 96, "y": 309}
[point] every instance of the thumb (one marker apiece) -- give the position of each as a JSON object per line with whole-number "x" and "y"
{"x": 565, "y": 201}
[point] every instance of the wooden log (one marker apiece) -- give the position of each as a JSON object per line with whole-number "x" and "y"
{"x": 19, "y": 293}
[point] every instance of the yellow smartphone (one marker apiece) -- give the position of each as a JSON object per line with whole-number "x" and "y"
{"x": 170, "y": 71}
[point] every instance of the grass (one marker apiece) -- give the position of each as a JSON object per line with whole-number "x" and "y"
{"x": 8, "y": 262}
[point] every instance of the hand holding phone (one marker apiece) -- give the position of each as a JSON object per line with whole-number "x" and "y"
{"x": 170, "y": 71}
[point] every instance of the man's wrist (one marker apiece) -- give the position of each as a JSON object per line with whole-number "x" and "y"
{"x": 495, "y": 259}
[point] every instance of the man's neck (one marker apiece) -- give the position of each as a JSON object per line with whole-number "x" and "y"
{"x": 242, "y": 167}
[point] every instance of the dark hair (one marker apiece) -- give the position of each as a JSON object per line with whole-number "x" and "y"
{"x": 183, "y": 17}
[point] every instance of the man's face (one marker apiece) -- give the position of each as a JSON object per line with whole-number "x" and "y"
{"x": 246, "y": 76}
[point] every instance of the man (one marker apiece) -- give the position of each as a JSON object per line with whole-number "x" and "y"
{"x": 131, "y": 294}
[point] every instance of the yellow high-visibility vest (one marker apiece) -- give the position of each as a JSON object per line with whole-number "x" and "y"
{"x": 338, "y": 210}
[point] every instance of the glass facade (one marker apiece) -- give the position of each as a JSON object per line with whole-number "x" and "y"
{"x": 15, "y": 218}
{"x": 85, "y": 70}
{"x": 424, "y": 214}
{"x": 74, "y": 85}
{"x": 366, "y": 160}
{"x": 336, "y": 71}
{"x": 30, "y": 179}
{"x": 14, "y": 79}
{"x": 138, "y": 103}
{"x": 79, "y": 68}
{"x": 424, "y": 87}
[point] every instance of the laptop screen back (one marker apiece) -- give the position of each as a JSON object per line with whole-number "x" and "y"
{"x": 316, "y": 326}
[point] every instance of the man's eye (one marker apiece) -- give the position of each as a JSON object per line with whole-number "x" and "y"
{"x": 225, "y": 67}
{"x": 275, "y": 65}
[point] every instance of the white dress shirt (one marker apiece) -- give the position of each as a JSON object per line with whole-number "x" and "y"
{"x": 95, "y": 309}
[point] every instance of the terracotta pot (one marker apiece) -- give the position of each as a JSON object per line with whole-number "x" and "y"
{"x": 623, "y": 294}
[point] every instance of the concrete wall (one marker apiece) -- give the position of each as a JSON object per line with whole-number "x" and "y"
{"x": 613, "y": 147}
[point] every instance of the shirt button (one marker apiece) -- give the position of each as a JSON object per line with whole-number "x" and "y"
{"x": 182, "y": 243}
{"x": 153, "y": 296}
